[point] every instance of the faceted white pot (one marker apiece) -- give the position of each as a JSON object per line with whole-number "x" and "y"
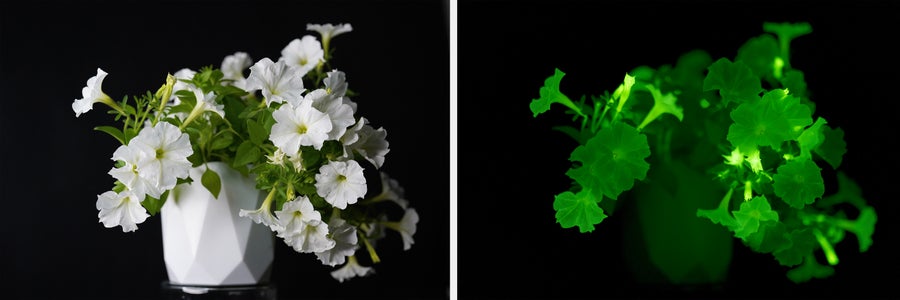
{"x": 205, "y": 242}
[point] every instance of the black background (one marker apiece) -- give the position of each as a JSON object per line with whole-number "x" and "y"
{"x": 53, "y": 164}
{"x": 511, "y": 164}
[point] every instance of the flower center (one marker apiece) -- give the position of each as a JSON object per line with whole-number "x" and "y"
{"x": 341, "y": 178}
{"x": 160, "y": 154}
{"x": 303, "y": 61}
{"x": 301, "y": 129}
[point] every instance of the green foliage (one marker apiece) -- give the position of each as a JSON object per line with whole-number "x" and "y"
{"x": 756, "y": 112}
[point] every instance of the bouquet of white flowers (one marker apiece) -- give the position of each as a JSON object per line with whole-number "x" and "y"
{"x": 290, "y": 124}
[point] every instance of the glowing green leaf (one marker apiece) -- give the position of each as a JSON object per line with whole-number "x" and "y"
{"x": 735, "y": 81}
{"x": 750, "y": 215}
{"x": 802, "y": 245}
{"x": 661, "y": 104}
{"x": 578, "y": 210}
{"x": 808, "y": 270}
{"x": 720, "y": 215}
{"x": 799, "y": 182}
{"x": 811, "y": 138}
{"x": 550, "y": 94}
{"x": 759, "y": 54}
{"x": 611, "y": 160}
{"x": 833, "y": 148}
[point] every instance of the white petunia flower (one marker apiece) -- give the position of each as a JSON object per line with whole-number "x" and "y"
{"x": 129, "y": 174}
{"x": 329, "y": 31}
{"x": 391, "y": 191}
{"x": 406, "y": 227}
{"x": 298, "y": 126}
{"x": 303, "y": 54}
{"x": 92, "y": 93}
{"x": 205, "y": 102}
{"x": 336, "y": 83}
{"x": 233, "y": 67}
{"x": 350, "y": 270}
{"x": 371, "y": 144}
{"x": 341, "y": 114}
{"x": 122, "y": 209}
{"x": 351, "y": 136}
{"x": 186, "y": 74}
{"x": 344, "y": 236}
{"x": 341, "y": 183}
{"x": 262, "y": 215}
{"x": 301, "y": 226}
{"x": 278, "y": 81}
{"x": 166, "y": 150}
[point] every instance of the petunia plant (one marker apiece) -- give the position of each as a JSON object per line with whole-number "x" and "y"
{"x": 747, "y": 123}
{"x": 290, "y": 123}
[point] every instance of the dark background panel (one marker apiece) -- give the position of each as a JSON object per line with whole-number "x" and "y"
{"x": 53, "y": 165}
{"x": 511, "y": 164}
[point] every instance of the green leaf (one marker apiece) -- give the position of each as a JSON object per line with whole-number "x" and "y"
{"x": 833, "y": 148}
{"x": 550, "y": 94}
{"x": 114, "y": 132}
{"x": 611, "y": 160}
{"x": 802, "y": 245}
{"x": 258, "y": 133}
{"x": 211, "y": 182}
{"x": 247, "y": 153}
{"x": 734, "y": 80}
{"x": 222, "y": 141}
{"x": 751, "y": 214}
{"x": 799, "y": 182}
{"x": 153, "y": 205}
{"x": 578, "y": 210}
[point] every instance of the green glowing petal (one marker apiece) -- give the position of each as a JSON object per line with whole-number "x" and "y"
{"x": 808, "y": 270}
{"x": 864, "y": 227}
{"x": 833, "y": 148}
{"x": 811, "y": 138}
{"x": 799, "y": 182}
{"x": 662, "y": 104}
{"x": 611, "y": 160}
{"x": 787, "y": 31}
{"x": 775, "y": 118}
{"x": 550, "y": 94}
{"x": 759, "y": 54}
{"x": 578, "y": 210}
{"x": 750, "y": 215}
{"x": 795, "y": 82}
{"x": 735, "y": 81}
{"x": 720, "y": 215}
{"x": 771, "y": 236}
{"x": 802, "y": 245}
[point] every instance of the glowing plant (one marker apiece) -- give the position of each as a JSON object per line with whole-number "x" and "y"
{"x": 747, "y": 123}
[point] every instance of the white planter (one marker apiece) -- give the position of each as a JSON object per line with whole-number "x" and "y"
{"x": 205, "y": 242}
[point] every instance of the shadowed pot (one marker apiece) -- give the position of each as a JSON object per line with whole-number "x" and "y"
{"x": 205, "y": 242}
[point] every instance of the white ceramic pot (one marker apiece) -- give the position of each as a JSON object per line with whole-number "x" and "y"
{"x": 205, "y": 242}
